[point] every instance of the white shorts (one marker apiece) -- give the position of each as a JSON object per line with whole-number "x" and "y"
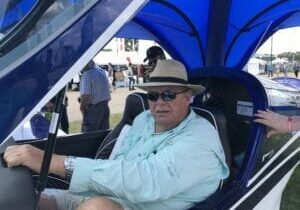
{"x": 67, "y": 201}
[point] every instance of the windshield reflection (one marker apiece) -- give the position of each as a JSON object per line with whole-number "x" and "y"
{"x": 13, "y": 12}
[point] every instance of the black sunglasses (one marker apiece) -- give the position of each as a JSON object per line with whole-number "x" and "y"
{"x": 167, "y": 95}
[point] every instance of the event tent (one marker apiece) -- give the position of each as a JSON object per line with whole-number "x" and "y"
{"x": 255, "y": 66}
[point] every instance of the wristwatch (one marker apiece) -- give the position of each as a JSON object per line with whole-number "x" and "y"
{"x": 69, "y": 164}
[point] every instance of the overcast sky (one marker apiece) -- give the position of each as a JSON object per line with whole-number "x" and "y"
{"x": 287, "y": 40}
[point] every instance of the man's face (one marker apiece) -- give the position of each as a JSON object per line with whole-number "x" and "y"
{"x": 169, "y": 113}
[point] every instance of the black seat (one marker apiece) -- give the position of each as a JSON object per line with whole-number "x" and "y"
{"x": 218, "y": 120}
{"x": 134, "y": 105}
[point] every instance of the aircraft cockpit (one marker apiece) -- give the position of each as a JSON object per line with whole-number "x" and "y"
{"x": 43, "y": 44}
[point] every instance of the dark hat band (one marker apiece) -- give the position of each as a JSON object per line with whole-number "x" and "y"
{"x": 168, "y": 79}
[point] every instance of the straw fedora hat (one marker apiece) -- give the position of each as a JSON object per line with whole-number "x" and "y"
{"x": 170, "y": 73}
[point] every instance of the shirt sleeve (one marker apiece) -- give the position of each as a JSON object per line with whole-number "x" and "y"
{"x": 162, "y": 175}
{"x": 85, "y": 84}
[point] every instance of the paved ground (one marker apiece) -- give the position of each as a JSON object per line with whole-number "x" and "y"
{"x": 116, "y": 104}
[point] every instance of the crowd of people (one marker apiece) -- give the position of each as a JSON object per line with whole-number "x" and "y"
{"x": 272, "y": 69}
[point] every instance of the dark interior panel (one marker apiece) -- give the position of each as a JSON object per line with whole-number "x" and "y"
{"x": 81, "y": 145}
{"x": 225, "y": 95}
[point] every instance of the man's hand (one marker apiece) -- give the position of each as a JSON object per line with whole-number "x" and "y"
{"x": 84, "y": 102}
{"x": 32, "y": 157}
{"x": 25, "y": 155}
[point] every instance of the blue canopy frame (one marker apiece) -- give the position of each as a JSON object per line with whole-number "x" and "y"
{"x": 201, "y": 34}
{"x": 212, "y": 33}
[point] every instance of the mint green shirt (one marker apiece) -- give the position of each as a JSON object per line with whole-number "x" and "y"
{"x": 157, "y": 171}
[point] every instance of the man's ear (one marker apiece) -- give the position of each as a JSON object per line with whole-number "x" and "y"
{"x": 189, "y": 95}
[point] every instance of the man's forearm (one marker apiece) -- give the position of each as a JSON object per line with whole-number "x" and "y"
{"x": 57, "y": 166}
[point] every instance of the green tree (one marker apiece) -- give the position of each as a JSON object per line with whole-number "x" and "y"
{"x": 291, "y": 56}
{"x": 267, "y": 57}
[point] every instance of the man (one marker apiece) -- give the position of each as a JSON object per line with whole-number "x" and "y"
{"x": 170, "y": 159}
{"x": 296, "y": 69}
{"x": 130, "y": 77}
{"x": 94, "y": 98}
{"x": 153, "y": 54}
{"x": 270, "y": 69}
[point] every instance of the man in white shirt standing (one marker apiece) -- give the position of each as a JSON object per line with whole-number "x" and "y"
{"x": 94, "y": 98}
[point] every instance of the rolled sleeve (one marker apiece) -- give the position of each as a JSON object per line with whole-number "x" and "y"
{"x": 82, "y": 174}
{"x": 85, "y": 84}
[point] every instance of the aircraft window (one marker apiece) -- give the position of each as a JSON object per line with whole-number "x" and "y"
{"x": 283, "y": 100}
{"x": 60, "y": 13}
{"x": 13, "y": 12}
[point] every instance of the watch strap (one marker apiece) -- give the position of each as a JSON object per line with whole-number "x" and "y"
{"x": 69, "y": 164}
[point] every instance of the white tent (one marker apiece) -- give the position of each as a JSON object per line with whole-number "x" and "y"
{"x": 255, "y": 66}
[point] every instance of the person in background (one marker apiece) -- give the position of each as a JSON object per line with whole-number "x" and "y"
{"x": 94, "y": 98}
{"x": 110, "y": 70}
{"x": 284, "y": 69}
{"x": 140, "y": 73}
{"x": 296, "y": 69}
{"x": 277, "y": 69}
{"x": 277, "y": 123}
{"x": 171, "y": 158}
{"x": 114, "y": 77}
{"x": 153, "y": 54}
{"x": 130, "y": 77}
{"x": 266, "y": 69}
{"x": 270, "y": 69}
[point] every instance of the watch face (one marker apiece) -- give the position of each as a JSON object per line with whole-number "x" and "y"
{"x": 69, "y": 166}
{"x": 69, "y": 162}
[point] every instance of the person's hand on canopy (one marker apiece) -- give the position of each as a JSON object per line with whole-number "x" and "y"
{"x": 276, "y": 122}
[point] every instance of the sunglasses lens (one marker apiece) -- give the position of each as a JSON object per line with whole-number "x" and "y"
{"x": 153, "y": 96}
{"x": 168, "y": 95}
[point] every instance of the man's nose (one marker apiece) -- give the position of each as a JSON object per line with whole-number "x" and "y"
{"x": 160, "y": 101}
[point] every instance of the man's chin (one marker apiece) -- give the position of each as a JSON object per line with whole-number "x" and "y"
{"x": 161, "y": 120}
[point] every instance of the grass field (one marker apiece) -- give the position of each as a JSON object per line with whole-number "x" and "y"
{"x": 114, "y": 119}
{"x": 291, "y": 195}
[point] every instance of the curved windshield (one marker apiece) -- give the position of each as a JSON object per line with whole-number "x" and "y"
{"x": 60, "y": 14}
{"x": 12, "y": 12}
